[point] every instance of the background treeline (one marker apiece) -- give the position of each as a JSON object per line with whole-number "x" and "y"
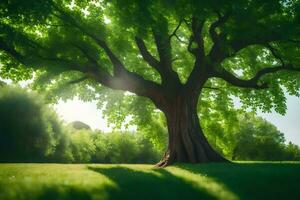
{"x": 30, "y": 131}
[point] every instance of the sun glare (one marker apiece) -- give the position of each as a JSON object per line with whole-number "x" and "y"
{"x": 106, "y": 20}
{"x": 87, "y": 112}
{"x": 76, "y": 110}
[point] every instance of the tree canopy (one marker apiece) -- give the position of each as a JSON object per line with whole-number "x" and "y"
{"x": 159, "y": 49}
{"x": 256, "y": 43}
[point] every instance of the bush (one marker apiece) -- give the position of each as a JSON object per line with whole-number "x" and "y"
{"x": 115, "y": 147}
{"x": 123, "y": 147}
{"x": 82, "y": 146}
{"x": 29, "y": 130}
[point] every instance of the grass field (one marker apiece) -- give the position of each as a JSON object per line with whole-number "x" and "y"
{"x": 99, "y": 181}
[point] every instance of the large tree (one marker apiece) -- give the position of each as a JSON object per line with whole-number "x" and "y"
{"x": 171, "y": 52}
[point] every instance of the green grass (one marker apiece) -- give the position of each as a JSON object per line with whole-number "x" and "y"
{"x": 251, "y": 180}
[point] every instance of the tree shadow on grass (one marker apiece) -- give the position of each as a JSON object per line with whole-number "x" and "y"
{"x": 254, "y": 180}
{"x": 64, "y": 193}
{"x": 151, "y": 184}
{"x": 202, "y": 182}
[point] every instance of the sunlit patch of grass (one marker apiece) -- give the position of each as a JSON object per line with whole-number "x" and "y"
{"x": 203, "y": 182}
{"x": 199, "y": 182}
{"x": 242, "y": 180}
{"x": 36, "y": 181}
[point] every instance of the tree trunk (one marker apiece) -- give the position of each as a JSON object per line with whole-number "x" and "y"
{"x": 187, "y": 143}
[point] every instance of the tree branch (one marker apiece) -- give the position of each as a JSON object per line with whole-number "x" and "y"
{"x": 217, "y": 54}
{"x": 180, "y": 40}
{"x": 153, "y": 62}
{"x": 118, "y": 66}
{"x": 253, "y": 82}
{"x": 90, "y": 58}
{"x": 220, "y": 21}
{"x": 165, "y": 58}
{"x": 175, "y": 30}
{"x": 77, "y": 80}
{"x": 190, "y": 49}
{"x": 174, "y": 34}
{"x": 294, "y": 41}
{"x": 122, "y": 78}
{"x": 273, "y": 51}
{"x": 38, "y": 60}
{"x": 11, "y": 51}
{"x": 197, "y": 27}
{"x": 198, "y": 75}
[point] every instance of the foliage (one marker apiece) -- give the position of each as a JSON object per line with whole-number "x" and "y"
{"x": 115, "y": 147}
{"x": 63, "y": 42}
{"x": 87, "y": 146}
{"x": 292, "y": 151}
{"x": 256, "y": 134}
{"x": 29, "y": 130}
{"x": 122, "y": 147}
{"x": 82, "y": 146}
{"x": 250, "y": 138}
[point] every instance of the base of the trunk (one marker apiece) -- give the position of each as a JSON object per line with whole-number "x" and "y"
{"x": 168, "y": 159}
{"x": 187, "y": 142}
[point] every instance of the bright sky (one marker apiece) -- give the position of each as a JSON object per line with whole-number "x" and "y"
{"x": 289, "y": 124}
{"x": 88, "y": 113}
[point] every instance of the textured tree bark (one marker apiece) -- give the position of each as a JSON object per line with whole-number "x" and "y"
{"x": 187, "y": 143}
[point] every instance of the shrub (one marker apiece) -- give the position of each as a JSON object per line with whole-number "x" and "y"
{"x": 29, "y": 130}
{"x": 82, "y": 146}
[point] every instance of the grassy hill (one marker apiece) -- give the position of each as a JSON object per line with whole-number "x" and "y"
{"x": 251, "y": 180}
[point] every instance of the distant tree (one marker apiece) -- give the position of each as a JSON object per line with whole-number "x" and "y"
{"x": 101, "y": 148}
{"x": 257, "y": 139}
{"x": 80, "y": 125}
{"x": 249, "y": 138}
{"x": 171, "y": 52}
{"x": 292, "y": 152}
{"x": 82, "y": 146}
